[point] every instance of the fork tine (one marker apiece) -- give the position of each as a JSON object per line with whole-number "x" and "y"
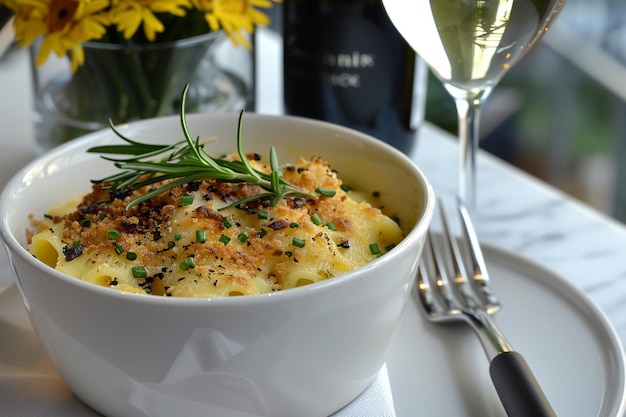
{"x": 424, "y": 287}
{"x": 444, "y": 285}
{"x": 432, "y": 283}
{"x": 440, "y": 277}
{"x": 480, "y": 276}
{"x": 455, "y": 260}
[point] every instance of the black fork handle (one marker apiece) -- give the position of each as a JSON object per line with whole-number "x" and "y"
{"x": 517, "y": 387}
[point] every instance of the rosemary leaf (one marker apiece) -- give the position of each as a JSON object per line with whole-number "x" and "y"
{"x": 185, "y": 161}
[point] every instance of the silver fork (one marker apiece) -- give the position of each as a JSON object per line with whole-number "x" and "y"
{"x": 448, "y": 293}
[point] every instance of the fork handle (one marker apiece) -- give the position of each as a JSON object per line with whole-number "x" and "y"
{"x": 517, "y": 387}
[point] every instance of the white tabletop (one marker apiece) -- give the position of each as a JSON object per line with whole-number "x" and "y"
{"x": 515, "y": 212}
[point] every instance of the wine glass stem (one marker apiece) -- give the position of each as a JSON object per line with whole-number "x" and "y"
{"x": 468, "y": 107}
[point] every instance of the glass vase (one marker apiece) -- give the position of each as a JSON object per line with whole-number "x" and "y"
{"x": 123, "y": 83}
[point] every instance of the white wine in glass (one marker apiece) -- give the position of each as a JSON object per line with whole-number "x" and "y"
{"x": 469, "y": 45}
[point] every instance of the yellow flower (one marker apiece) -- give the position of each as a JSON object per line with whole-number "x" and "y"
{"x": 234, "y": 16}
{"x": 128, "y": 15}
{"x": 30, "y": 21}
{"x": 11, "y": 4}
{"x": 63, "y": 24}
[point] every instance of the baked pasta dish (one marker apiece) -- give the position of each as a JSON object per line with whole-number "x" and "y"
{"x": 213, "y": 238}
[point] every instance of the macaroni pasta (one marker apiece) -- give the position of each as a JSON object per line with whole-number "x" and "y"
{"x": 188, "y": 243}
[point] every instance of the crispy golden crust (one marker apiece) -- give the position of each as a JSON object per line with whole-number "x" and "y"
{"x": 202, "y": 251}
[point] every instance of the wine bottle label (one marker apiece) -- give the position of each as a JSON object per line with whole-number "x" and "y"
{"x": 341, "y": 67}
{"x": 349, "y": 65}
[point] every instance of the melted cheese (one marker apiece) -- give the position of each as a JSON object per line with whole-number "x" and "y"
{"x": 161, "y": 247}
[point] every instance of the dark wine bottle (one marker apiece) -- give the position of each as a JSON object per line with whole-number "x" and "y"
{"x": 344, "y": 62}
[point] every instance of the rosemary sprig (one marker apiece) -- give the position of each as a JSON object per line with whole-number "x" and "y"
{"x": 186, "y": 161}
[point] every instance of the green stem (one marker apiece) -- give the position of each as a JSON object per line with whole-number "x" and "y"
{"x": 140, "y": 78}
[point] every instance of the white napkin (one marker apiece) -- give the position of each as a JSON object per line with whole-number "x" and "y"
{"x": 31, "y": 387}
{"x": 376, "y": 400}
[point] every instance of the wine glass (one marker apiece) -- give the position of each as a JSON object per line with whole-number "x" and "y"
{"x": 469, "y": 45}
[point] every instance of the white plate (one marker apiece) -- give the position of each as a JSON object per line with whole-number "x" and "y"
{"x": 574, "y": 352}
{"x": 434, "y": 370}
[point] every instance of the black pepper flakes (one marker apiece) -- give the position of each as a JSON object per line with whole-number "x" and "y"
{"x": 120, "y": 193}
{"x": 73, "y": 252}
{"x": 90, "y": 209}
{"x": 297, "y": 202}
{"x": 193, "y": 186}
{"x": 278, "y": 224}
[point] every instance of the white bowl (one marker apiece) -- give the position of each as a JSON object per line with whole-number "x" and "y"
{"x": 302, "y": 352}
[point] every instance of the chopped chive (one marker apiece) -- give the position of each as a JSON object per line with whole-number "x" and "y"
{"x": 376, "y": 194}
{"x": 316, "y": 219}
{"x": 76, "y": 243}
{"x": 288, "y": 254}
{"x": 227, "y": 224}
{"x": 331, "y": 226}
{"x": 262, "y": 233}
{"x": 119, "y": 249}
{"x": 177, "y": 236}
{"x": 113, "y": 234}
{"x": 296, "y": 241}
{"x": 171, "y": 244}
{"x": 224, "y": 239}
{"x": 374, "y": 249}
{"x": 139, "y": 272}
{"x": 262, "y": 215}
{"x": 188, "y": 263}
{"x": 345, "y": 187}
{"x": 201, "y": 236}
{"x": 102, "y": 216}
{"x": 243, "y": 236}
{"x": 148, "y": 290}
{"x": 186, "y": 200}
{"x": 326, "y": 192}
{"x": 294, "y": 225}
{"x": 131, "y": 256}
{"x": 85, "y": 223}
